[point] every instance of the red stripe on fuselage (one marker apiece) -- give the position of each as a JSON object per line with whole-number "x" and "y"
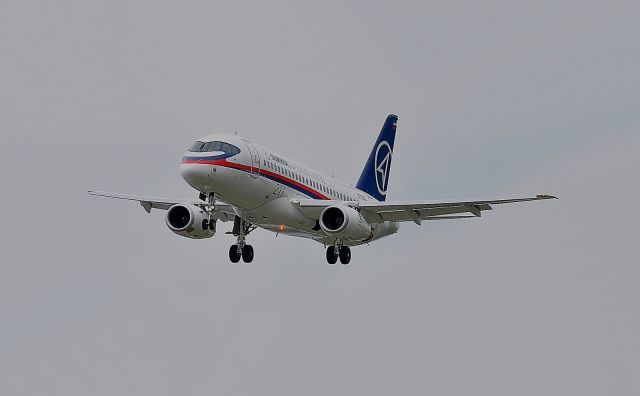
{"x": 234, "y": 165}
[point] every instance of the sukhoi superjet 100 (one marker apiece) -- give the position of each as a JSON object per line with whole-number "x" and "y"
{"x": 254, "y": 187}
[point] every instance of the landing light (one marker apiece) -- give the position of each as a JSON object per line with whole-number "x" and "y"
{"x": 281, "y": 227}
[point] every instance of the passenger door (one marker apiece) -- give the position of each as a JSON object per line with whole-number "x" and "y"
{"x": 255, "y": 159}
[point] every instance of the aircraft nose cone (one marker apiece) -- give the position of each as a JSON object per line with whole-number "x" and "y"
{"x": 197, "y": 175}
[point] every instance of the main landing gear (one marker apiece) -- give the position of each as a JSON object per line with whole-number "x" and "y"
{"x": 241, "y": 229}
{"x": 338, "y": 251}
{"x": 246, "y": 253}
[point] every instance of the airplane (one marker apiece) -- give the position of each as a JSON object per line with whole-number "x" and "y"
{"x": 255, "y": 187}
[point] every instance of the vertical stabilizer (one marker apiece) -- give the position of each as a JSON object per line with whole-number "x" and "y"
{"x": 374, "y": 179}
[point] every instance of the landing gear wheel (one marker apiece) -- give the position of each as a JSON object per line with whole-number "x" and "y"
{"x": 234, "y": 256}
{"x": 332, "y": 257}
{"x": 247, "y": 253}
{"x": 345, "y": 255}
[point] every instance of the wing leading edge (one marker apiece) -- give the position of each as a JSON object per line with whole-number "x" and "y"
{"x": 379, "y": 212}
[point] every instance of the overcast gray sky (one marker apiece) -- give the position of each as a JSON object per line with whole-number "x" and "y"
{"x": 495, "y": 98}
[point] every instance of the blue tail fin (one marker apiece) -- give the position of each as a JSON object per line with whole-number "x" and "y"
{"x": 374, "y": 179}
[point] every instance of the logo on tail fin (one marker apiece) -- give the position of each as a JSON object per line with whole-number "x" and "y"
{"x": 374, "y": 179}
{"x": 382, "y": 163}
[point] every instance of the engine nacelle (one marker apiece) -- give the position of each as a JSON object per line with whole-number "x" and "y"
{"x": 190, "y": 221}
{"x": 346, "y": 223}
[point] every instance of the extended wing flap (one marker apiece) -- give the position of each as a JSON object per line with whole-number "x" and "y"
{"x": 379, "y": 212}
{"x": 417, "y": 211}
{"x": 222, "y": 212}
{"x": 153, "y": 202}
{"x": 312, "y": 208}
{"x": 417, "y": 214}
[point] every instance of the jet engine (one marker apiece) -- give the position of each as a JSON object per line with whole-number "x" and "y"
{"x": 346, "y": 223}
{"x": 190, "y": 221}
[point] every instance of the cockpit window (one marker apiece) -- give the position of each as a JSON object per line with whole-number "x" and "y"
{"x": 197, "y": 146}
{"x": 212, "y": 146}
{"x": 201, "y": 147}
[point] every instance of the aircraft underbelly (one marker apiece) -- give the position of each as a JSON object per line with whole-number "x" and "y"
{"x": 267, "y": 204}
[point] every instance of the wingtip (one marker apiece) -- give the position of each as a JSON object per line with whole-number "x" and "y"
{"x": 546, "y": 196}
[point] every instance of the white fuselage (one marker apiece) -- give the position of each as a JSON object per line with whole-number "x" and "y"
{"x": 261, "y": 184}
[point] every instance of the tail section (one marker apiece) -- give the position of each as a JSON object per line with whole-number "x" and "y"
{"x": 374, "y": 179}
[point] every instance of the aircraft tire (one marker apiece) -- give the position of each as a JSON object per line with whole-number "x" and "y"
{"x": 233, "y": 254}
{"x": 345, "y": 255}
{"x": 247, "y": 253}
{"x": 332, "y": 258}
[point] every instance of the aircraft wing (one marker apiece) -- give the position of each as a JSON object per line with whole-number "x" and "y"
{"x": 222, "y": 212}
{"x": 378, "y": 212}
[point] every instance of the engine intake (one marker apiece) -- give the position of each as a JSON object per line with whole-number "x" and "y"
{"x": 179, "y": 217}
{"x": 333, "y": 219}
{"x": 346, "y": 223}
{"x": 190, "y": 221}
